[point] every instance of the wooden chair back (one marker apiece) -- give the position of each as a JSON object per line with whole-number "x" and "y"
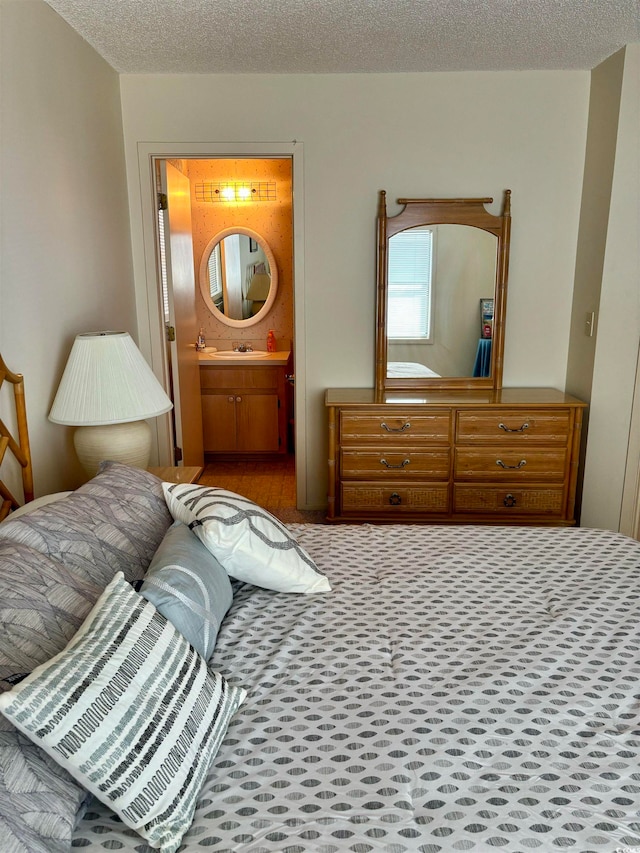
{"x": 19, "y": 446}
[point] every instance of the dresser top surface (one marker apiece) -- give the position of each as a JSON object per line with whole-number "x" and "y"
{"x": 488, "y": 397}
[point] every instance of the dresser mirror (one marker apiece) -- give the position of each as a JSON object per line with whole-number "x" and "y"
{"x": 238, "y": 277}
{"x": 442, "y": 268}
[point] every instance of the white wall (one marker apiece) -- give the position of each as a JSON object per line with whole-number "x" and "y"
{"x": 421, "y": 135}
{"x": 602, "y": 139}
{"x": 65, "y": 261}
{"x": 65, "y": 248}
{"x": 618, "y": 334}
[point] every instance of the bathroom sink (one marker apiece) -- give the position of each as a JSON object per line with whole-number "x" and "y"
{"x": 230, "y": 353}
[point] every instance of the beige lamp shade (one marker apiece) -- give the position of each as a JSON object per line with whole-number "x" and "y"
{"x": 107, "y": 390}
{"x": 258, "y": 292}
{"x": 259, "y": 287}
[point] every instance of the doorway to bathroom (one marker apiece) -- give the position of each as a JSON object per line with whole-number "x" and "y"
{"x": 273, "y": 219}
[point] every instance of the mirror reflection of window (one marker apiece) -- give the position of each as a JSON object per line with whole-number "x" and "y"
{"x": 232, "y": 277}
{"x": 409, "y": 286}
{"x": 226, "y": 276}
{"x": 215, "y": 277}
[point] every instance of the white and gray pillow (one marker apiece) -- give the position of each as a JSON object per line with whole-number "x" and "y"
{"x": 252, "y": 545}
{"x": 132, "y": 712}
{"x": 188, "y": 585}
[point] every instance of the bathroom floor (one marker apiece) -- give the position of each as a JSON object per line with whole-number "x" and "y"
{"x": 271, "y": 483}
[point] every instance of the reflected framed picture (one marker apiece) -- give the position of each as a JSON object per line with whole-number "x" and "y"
{"x": 486, "y": 318}
{"x": 253, "y": 245}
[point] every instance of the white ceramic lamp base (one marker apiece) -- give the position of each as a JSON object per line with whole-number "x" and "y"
{"x": 129, "y": 443}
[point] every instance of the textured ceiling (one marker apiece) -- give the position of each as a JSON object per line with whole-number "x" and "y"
{"x": 349, "y": 36}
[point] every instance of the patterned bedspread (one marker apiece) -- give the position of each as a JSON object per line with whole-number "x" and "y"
{"x": 461, "y": 688}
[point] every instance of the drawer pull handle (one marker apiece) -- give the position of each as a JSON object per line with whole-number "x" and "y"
{"x": 509, "y": 500}
{"x": 395, "y": 499}
{"x": 396, "y": 429}
{"x": 520, "y": 464}
{"x": 524, "y": 426}
{"x": 401, "y": 465}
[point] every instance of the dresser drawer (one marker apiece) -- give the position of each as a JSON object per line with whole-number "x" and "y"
{"x": 535, "y": 425}
{"x": 407, "y": 427}
{"x": 390, "y": 462}
{"x": 510, "y": 463}
{"x": 394, "y": 498}
{"x": 519, "y": 502}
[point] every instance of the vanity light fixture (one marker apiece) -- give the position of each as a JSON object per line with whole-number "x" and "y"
{"x": 209, "y": 191}
{"x": 106, "y": 391}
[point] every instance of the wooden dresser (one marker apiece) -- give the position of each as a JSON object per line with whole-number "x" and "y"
{"x": 474, "y": 457}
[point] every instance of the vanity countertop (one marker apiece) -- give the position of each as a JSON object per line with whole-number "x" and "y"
{"x": 273, "y": 359}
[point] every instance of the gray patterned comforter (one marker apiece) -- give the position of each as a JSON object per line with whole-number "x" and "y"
{"x": 459, "y": 689}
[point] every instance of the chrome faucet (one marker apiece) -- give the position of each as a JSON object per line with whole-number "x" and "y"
{"x": 244, "y": 348}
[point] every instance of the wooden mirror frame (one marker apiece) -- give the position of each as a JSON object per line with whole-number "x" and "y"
{"x": 438, "y": 211}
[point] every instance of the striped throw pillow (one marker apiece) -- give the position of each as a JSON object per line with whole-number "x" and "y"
{"x": 252, "y": 545}
{"x": 132, "y": 712}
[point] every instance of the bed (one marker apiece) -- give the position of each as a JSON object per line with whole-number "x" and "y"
{"x": 411, "y": 369}
{"x": 460, "y": 688}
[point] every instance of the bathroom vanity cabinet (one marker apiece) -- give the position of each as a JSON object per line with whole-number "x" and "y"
{"x": 244, "y": 408}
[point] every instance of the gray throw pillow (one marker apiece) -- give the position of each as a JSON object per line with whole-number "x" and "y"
{"x": 189, "y": 587}
{"x": 113, "y": 523}
{"x": 39, "y": 801}
{"x": 42, "y": 605}
{"x": 54, "y": 563}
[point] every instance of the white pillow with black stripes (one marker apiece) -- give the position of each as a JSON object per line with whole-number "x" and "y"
{"x": 132, "y": 712}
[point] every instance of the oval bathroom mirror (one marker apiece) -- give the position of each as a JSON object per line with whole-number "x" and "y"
{"x": 238, "y": 277}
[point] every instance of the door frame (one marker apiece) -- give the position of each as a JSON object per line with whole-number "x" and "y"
{"x": 151, "y": 330}
{"x": 181, "y": 297}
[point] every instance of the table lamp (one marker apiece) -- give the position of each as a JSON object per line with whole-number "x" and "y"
{"x": 106, "y": 391}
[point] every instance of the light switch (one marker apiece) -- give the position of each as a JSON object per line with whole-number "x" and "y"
{"x": 590, "y": 323}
